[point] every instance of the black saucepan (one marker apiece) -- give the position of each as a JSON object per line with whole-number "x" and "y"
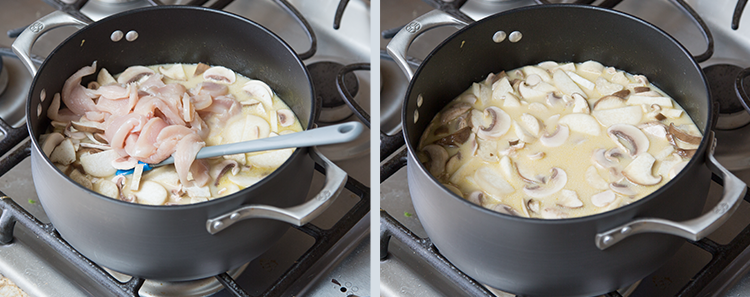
{"x": 175, "y": 242}
{"x": 566, "y": 257}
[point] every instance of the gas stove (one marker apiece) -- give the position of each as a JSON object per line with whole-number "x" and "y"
{"x": 716, "y": 266}
{"x": 328, "y": 257}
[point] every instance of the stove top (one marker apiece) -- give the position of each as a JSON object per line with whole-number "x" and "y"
{"x": 410, "y": 264}
{"x": 332, "y": 249}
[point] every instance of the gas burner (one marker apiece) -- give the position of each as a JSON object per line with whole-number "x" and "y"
{"x": 721, "y": 82}
{"x": 323, "y": 74}
{"x": 195, "y": 288}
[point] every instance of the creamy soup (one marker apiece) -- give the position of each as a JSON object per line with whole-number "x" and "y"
{"x": 149, "y": 113}
{"x": 558, "y": 140}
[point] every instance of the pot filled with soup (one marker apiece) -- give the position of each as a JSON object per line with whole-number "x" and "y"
{"x": 141, "y": 86}
{"x": 559, "y": 150}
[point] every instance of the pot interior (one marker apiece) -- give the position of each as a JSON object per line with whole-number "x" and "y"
{"x": 561, "y": 33}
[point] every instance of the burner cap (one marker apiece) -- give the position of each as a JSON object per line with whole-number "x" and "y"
{"x": 721, "y": 82}
{"x": 324, "y": 79}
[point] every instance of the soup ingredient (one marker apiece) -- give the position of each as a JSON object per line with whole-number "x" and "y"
{"x": 149, "y": 113}
{"x": 559, "y": 141}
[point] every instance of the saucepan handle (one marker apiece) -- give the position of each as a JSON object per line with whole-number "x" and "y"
{"x": 296, "y": 215}
{"x": 23, "y": 44}
{"x": 400, "y": 43}
{"x": 695, "y": 229}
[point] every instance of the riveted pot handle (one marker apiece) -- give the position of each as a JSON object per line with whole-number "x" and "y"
{"x": 23, "y": 44}
{"x": 400, "y": 43}
{"x": 296, "y": 215}
{"x": 695, "y": 229}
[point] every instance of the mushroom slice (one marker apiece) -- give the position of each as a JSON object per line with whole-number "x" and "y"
{"x": 582, "y": 123}
{"x": 639, "y": 170}
{"x": 683, "y": 136}
{"x": 623, "y": 115}
{"x": 534, "y": 70}
{"x": 599, "y": 158}
{"x": 569, "y": 199}
{"x": 555, "y": 183}
{"x": 622, "y": 93}
{"x": 649, "y": 100}
{"x": 222, "y": 168}
{"x": 476, "y": 197}
{"x": 521, "y": 133}
{"x": 557, "y": 138}
{"x": 175, "y": 72}
{"x": 532, "y": 206}
{"x": 580, "y": 104}
{"x": 629, "y": 138}
{"x": 536, "y": 156}
{"x": 499, "y": 124}
{"x": 260, "y": 91}
{"x": 501, "y": 88}
{"x": 51, "y": 141}
{"x": 492, "y": 182}
{"x": 595, "y": 180}
{"x": 458, "y": 137}
{"x": 603, "y": 199}
{"x": 623, "y": 189}
{"x": 654, "y": 128}
{"x": 454, "y": 111}
{"x": 220, "y": 74}
{"x": 64, "y": 153}
{"x": 504, "y": 209}
{"x": 87, "y": 126}
{"x": 609, "y": 102}
{"x": 286, "y": 117}
{"x": 81, "y": 179}
{"x": 200, "y": 68}
{"x": 438, "y": 157}
{"x": 134, "y": 74}
{"x": 107, "y": 188}
{"x": 566, "y": 84}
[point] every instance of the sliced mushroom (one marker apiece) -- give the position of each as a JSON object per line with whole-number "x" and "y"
{"x": 581, "y": 81}
{"x": 50, "y": 142}
{"x": 222, "y": 168}
{"x": 622, "y": 93}
{"x": 639, "y": 170}
{"x": 599, "y": 158}
{"x": 99, "y": 164}
{"x": 569, "y": 199}
{"x": 454, "y": 111}
{"x": 629, "y": 138}
{"x": 259, "y": 90}
{"x": 641, "y": 89}
{"x": 151, "y": 193}
{"x": 64, "y": 153}
{"x": 504, "y": 209}
{"x": 457, "y": 138}
{"x": 580, "y": 104}
{"x": 286, "y": 117}
{"x": 536, "y": 156}
{"x": 676, "y": 169}
{"x": 531, "y": 124}
{"x": 557, "y": 180}
{"x": 533, "y": 206}
{"x": 200, "y": 68}
{"x": 104, "y": 78}
{"x": 134, "y": 74}
{"x": 556, "y": 138}
{"x": 648, "y": 100}
{"x": 603, "y": 199}
{"x": 533, "y": 80}
{"x": 81, "y": 179}
{"x": 592, "y": 67}
{"x": 220, "y": 74}
{"x": 438, "y": 157}
{"x": 87, "y": 126}
{"x": 654, "y": 128}
{"x": 106, "y": 188}
{"x": 683, "y": 136}
{"x": 500, "y": 88}
{"x": 453, "y": 163}
{"x": 622, "y": 188}
{"x": 521, "y": 133}
{"x": 499, "y": 123}
{"x": 476, "y": 197}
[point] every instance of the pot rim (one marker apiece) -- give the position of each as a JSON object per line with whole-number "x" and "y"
{"x": 36, "y": 147}
{"x": 574, "y": 220}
